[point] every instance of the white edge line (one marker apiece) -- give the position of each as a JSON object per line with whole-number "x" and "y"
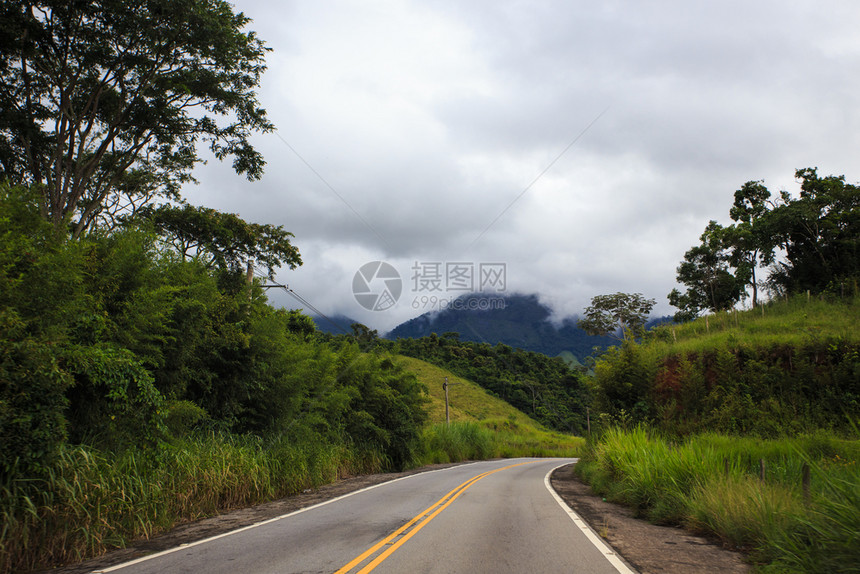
{"x": 592, "y": 536}
{"x": 264, "y": 522}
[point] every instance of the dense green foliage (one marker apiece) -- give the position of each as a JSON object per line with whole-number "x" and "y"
{"x": 785, "y": 368}
{"x": 116, "y": 329}
{"x": 713, "y": 484}
{"x": 544, "y": 388}
{"x": 820, "y": 233}
{"x": 119, "y": 344}
{"x": 712, "y": 283}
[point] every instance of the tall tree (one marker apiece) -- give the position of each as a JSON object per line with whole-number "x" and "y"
{"x": 748, "y": 239}
{"x": 706, "y": 271}
{"x": 820, "y": 233}
{"x": 102, "y": 102}
{"x": 608, "y": 314}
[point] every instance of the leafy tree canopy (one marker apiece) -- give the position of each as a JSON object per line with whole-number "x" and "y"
{"x": 223, "y": 239}
{"x": 707, "y": 273}
{"x": 749, "y": 238}
{"x": 819, "y": 232}
{"x": 102, "y": 102}
{"x": 609, "y": 313}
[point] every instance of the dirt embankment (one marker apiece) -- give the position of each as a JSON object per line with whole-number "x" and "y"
{"x": 649, "y": 548}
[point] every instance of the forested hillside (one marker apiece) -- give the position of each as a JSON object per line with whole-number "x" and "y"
{"x": 523, "y": 323}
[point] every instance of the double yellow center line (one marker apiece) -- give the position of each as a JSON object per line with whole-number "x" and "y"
{"x": 397, "y": 538}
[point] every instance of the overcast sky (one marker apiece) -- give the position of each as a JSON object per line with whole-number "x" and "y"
{"x": 584, "y": 145}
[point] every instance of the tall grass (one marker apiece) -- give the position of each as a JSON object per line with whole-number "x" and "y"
{"x": 91, "y": 501}
{"x": 457, "y": 442}
{"x": 494, "y": 438}
{"x": 712, "y": 484}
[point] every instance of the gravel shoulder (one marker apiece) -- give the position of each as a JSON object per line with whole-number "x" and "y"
{"x": 649, "y": 548}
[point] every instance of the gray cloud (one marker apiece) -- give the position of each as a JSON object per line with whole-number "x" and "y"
{"x": 428, "y": 119}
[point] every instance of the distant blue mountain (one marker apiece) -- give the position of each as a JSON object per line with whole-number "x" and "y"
{"x": 335, "y": 324}
{"x": 523, "y": 323}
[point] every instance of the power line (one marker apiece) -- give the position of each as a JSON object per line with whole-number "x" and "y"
{"x": 332, "y": 189}
{"x": 303, "y": 301}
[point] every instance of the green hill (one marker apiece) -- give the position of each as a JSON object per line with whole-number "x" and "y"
{"x": 467, "y": 400}
{"x": 797, "y": 321}
{"x": 785, "y": 368}
{"x": 477, "y": 417}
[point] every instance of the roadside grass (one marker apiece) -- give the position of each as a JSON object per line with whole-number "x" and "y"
{"x": 494, "y": 438}
{"x": 711, "y": 484}
{"x": 91, "y": 501}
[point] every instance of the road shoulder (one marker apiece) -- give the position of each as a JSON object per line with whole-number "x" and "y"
{"x": 647, "y": 547}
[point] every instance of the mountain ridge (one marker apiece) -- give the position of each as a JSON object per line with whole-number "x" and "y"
{"x": 522, "y": 322}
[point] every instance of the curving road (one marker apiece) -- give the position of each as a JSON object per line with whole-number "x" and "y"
{"x": 495, "y": 516}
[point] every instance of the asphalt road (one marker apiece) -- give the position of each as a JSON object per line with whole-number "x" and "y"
{"x": 488, "y": 517}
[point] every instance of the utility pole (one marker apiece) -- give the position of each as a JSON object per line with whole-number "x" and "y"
{"x": 249, "y": 276}
{"x": 445, "y": 386}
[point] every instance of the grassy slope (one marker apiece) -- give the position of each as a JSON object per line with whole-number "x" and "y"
{"x": 510, "y": 432}
{"x": 467, "y": 400}
{"x": 793, "y": 322}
